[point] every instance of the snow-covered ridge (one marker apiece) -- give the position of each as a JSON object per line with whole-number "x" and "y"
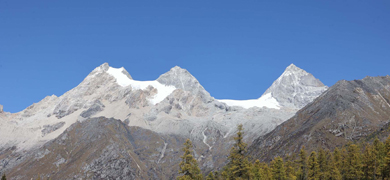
{"x": 264, "y": 101}
{"x": 162, "y": 90}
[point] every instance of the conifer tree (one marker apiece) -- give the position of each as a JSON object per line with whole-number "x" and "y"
{"x": 386, "y": 167}
{"x": 210, "y": 176}
{"x": 266, "y": 172}
{"x": 256, "y": 170}
{"x": 344, "y": 165}
{"x": 379, "y": 154}
{"x": 189, "y": 166}
{"x": 238, "y": 166}
{"x": 337, "y": 158}
{"x": 334, "y": 173}
{"x": 322, "y": 164}
{"x": 386, "y": 162}
{"x": 302, "y": 163}
{"x": 3, "y": 177}
{"x": 290, "y": 171}
{"x": 354, "y": 166}
{"x": 313, "y": 167}
{"x": 278, "y": 171}
{"x": 368, "y": 162}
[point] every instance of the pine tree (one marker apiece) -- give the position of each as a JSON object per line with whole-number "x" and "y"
{"x": 313, "y": 167}
{"x": 238, "y": 166}
{"x": 334, "y": 173}
{"x": 368, "y": 162}
{"x": 3, "y": 177}
{"x": 278, "y": 171}
{"x": 302, "y": 163}
{"x": 344, "y": 165}
{"x": 354, "y": 166}
{"x": 189, "y": 166}
{"x": 256, "y": 170}
{"x": 290, "y": 171}
{"x": 379, "y": 154}
{"x": 322, "y": 164}
{"x": 337, "y": 158}
{"x": 266, "y": 172}
{"x": 210, "y": 176}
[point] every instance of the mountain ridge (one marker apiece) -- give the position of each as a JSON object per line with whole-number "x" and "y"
{"x": 175, "y": 104}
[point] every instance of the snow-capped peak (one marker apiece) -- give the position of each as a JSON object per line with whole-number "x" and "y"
{"x": 120, "y": 75}
{"x": 182, "y": 79}
{"x": 295, "y": 87}
{"x": 293, "y": 70}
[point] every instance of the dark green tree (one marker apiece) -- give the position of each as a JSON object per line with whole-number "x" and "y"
{"x": 290, "y": 170}
{"x": 189, "y": 166}
{"x": 379, "y": 153}
{"x": 302, "y": 163}
{"x": 210, "y": 176}
{"x": 278, "y": 171}
{"x": 266, "y": 172}
{"x": 257, "y": 170}
{"x": 334, "y": 173}
{"x": 3, "y": 177}
{"x": 313, "y": 170}
{"x": 353, "y": 163}
{"x": 322, "y": 164}
{"x": 238, "y": 166}
{"x": 368, "y": 162}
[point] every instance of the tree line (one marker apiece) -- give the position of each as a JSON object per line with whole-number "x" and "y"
{"x": 351, "y": 162}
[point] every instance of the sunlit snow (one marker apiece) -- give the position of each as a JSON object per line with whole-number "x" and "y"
{"x": 162, "y": 90}
{"x": 264, "y": 101}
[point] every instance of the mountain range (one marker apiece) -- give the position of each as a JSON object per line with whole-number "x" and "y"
{"x": 112, "y": 126}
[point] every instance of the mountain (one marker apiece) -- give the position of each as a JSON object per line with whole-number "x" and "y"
{"x": 348, "y": 111}
{"x": 293, "y": 89}
{"x": 165, "y": 111}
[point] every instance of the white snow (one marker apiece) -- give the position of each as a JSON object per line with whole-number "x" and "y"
{"x": 205, "y": 139}
{"x": 264, "y": 101}
{"x": 162, "y": 90}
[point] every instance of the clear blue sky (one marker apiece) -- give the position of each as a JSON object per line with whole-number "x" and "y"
{"x": 236, "y": 49}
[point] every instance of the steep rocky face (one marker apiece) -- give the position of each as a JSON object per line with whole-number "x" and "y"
{"x": 291, "y": 91}
{"x": 349, "y": 110}
{"x": 295, "y": 88}
{"x": 101, "y": 148}
{"x": 182, "y": 79}
{"x": 173, "y": 106}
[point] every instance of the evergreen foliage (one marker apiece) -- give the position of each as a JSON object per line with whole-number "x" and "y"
{"x": 189, "y": 166}
{"x": 313, "y": 167}
{"x": 238, "y": 166}
{"x": 351, "y": 162}
{"x": 3, "y": 177}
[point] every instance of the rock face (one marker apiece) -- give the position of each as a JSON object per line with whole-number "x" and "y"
{"x": 182, "y": 79}
{"x": 101, "y": 148}
{"x": 295, "y": 88}
{"x": 162, "y": 113}
{"x": 1, "y": 108}
{"x": 292, "y": 90}
{"x": 349, "y": 110}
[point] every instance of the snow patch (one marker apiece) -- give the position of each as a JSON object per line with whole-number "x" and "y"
{"x": 264, "y": 101}
{"x": 205, "y": 139}
{"x": 162, "y": 90}
{"x": 162, "y": 152}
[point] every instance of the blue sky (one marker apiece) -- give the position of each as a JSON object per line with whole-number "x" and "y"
{"x": 236, "y": 49}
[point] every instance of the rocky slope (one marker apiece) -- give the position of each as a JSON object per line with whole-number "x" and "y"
{"x": 174, "y": 105}
{"x": 349, "y": 110}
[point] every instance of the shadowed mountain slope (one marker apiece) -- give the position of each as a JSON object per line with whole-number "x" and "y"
{"x": 349, "y": 110}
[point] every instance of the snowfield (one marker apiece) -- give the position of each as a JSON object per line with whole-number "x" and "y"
{"x": 162, "y": 90}
{"x": 264, "y": 101}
